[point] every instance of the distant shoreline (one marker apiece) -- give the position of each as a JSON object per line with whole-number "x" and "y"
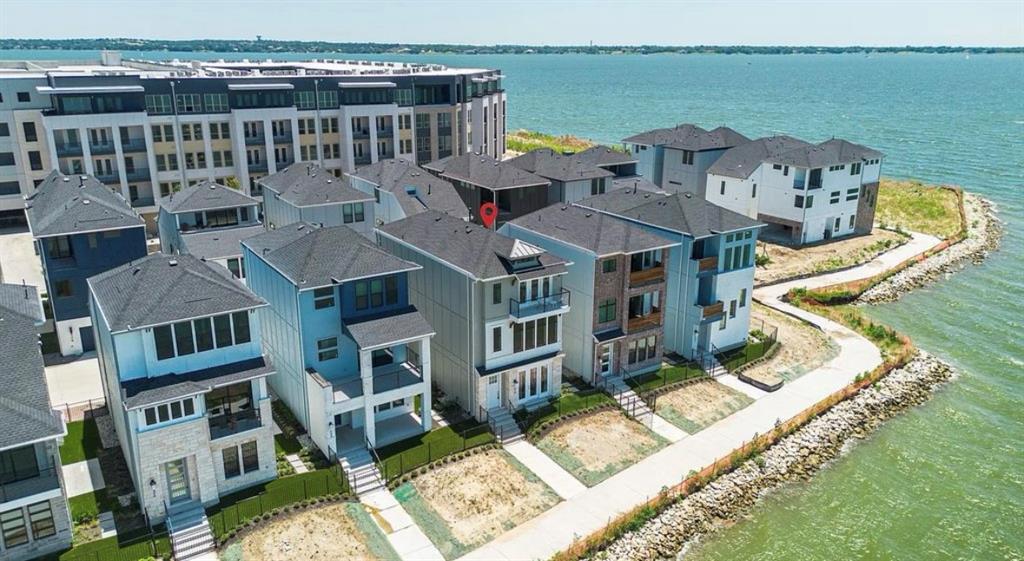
{"x": 313, "y": 47}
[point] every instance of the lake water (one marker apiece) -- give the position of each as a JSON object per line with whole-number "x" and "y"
{"x": 946, "y": 480}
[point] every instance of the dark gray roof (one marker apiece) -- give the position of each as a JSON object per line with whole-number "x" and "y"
{"x": 64, "y": 205}
{"x": 383, "y": 330}
{"x": 604, "y": 156}
{"x": 609, "y": 335}
{"x": 399, "y": 177}
{"x": 596, "y": 232}
{"x": 547, "y": 163}
{"x": 690, "y": 137}
{"x": 829, "y": 153}
{"x": 206, "y": 195}
{"x": 218, "y": 243}
{"x": 484, "y": 371}
{"x": 481, "y": 252}
{"x": 314, "y": 257}
{"x": 306, "y": 184}
{"x": 682, "y": 212}
{"x": 742, "y": 160}
{"x": 142, "y": 392}
{"x": 636, "y": 182}
{"x": 160, "y": 289}
{"x": 25, "y": 411}
{"x": 484, "y": 171}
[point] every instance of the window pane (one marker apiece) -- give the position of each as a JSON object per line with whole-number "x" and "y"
{"x": 183, "y": 338}
{"x": 151, "y": 416}
{"x": 530, "y": 335}
{"x": 41, "y": 519}
{"x": 231, "y": 468}
{"x": 189, "y": 406}
{"x": 552, "y": 330}
{"x": 164, "y": 342}
{"x": 250, "y": 456}
{"x": 176, "y": 410}
{"x": 13, "y": 525}
{"x": 204, "y": 334}
{"x": 241, "y": 321}
{"x": 222, "y": 330}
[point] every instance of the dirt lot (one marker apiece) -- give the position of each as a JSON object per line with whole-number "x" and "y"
{"x": 337, "y": 531}
{"x": 467, "y": 503}
{"x": 595, "y": 447}
{"x": 696, "y": 406}
{"x": 802, "y": 347}
{"x": 789, "y": 262}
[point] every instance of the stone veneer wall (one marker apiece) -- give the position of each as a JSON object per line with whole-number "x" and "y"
{"x": 38, "y": 548}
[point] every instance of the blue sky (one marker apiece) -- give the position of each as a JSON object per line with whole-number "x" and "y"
{"x": 550, "y": 22}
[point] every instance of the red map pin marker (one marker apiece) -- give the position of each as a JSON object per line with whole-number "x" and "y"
{"x": 488, "y": 213}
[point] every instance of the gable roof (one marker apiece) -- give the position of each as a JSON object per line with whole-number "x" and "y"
{"x": 307, "y": 184}
{"x": 64, "y": 205}
{"x": 25, "y": 410}
{"x": 205, "y": 195}
{"x": 484, "y": 171}
{"x": 604, "y": 156}
{"x": 160, "y": 289}
{"x": 829, "y": 153}
{"x": 636, "y": 182}
{"x": 313, "y": 257}
{"x": 549, "y": 164}
{"x": 682, "y": 212}
{"x": 742, "y": 160}
{"x": 217, "y": 243}
{"x": 690, "y": 137}
{"x": 480, "y": 252}
{"x": 399, "y": 176}
{"x": 596, "y": 232}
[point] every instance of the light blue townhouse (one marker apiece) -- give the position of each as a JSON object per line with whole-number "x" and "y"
{"x": 677, "y": 158}
{"x": 353, "y": 356}
{"x": 305, "y": 192}
{"x": 709, "y": 272}
{"x": 401, "y": 189}
{"x": 184, "y": 377}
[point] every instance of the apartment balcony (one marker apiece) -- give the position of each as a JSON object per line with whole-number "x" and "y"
{"x": 102, "y": 148}
{"x": 443, "y": 154}
{"x": 711, "y": 312}
{"x": 133, "y": 145}
{"x": 67, "y": 150}
{"x": 647, "y": 276}
{"x": 538, "y": 306}
{"x": 385, "y": 378}
{"x": 46, "y": 479}
{"x": 707, "y": 265}
{"x": 386, "y": 132}
{"x": 641, "y": 323}
{"x": 107, "y": 176}
{"x": 362, "y": 160}
{"x": 258, "y": 167}
{"x": 252, "y": 140}
{"x": 234, "y": 423}
{"x": 142, "y": 202}
{"x": 283, "y": 138}
{"x": 284, "y": 163}
{"x": 137, "y": 174}
{"x": 360, "y": 133}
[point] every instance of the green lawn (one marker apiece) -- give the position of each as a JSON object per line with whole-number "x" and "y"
{"x": 912, "y": 205}
{"x": 285, "y": 444}
{"x": 108, "y": 549}
{"x": 89, "y": 505}
{"x": 667, "y": 375}
{"x": 82, "y": 442}
{"x": 565, "y": 404}
{"x": 422, "y": 449}
{"x": 737, "y": 357}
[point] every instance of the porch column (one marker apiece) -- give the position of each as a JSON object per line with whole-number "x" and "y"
{"x": 366, "y": 372}
{"x": 425, "y": 405}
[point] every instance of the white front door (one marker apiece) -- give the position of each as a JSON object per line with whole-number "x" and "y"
{"x": 606, "y": 357}
{"x": 493, "y": 391}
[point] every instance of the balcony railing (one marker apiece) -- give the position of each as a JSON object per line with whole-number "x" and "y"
{"x": 386, "y": 131}
{"x": 47, "y": 479}
{"x": 133, "y": 145}
{"x": 66, "y": 150}
{"x": 363, "y": 133}
{"x": 385, "y": 378}
{"x": 646, "y": 276}
{"x": 137, "y": 174}
{"x": 107, "y": 176}
{"x": 142, "y": 201}
{"x": 283, "y": 137}
{"x": 234, "y": 423}
{"x": 711, "y": 310}
{"x": 250, "y": 140}
{"x": 101, "y": 148}
{"x": 258, "y": 166}
{"x": 707, "y": 265}
{"x": 539, "y": 305}
{"x": 640, "y": 323}
{"x": 360, "y": 160}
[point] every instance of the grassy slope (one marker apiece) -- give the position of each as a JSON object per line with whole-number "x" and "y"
{"x": 912, "y": 205}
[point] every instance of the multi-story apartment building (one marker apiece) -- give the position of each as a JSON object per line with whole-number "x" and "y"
{"x": 617, "y": 279}
{"x": 81, "y": 228}
{"x": 34, "y": 516}
{"x": 806, "y": 192}
{"x": 308, "y": 193}
{"x": 571, "y": 178}
{"x": 709, "y": 271}
{"x": 352, "y": 354}
{"x": 204, "y": 212}
{"x": 402, "y": 189}
{"x": 143, "y": 127}
{"x": 497, "y": 304}
{"x": 480, "y": 179}
{"x": 677, "y": 159}
{"x": 185, "y": 381}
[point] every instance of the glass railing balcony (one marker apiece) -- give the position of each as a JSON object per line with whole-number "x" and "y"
{"x": 66, "y": 150}
{"x": 101, "y": 148}
{"x": 137, "y": 174}
{"x": 258, "y": 166}
{"x": 361, "y": 160}
{"x": 40, "y": 481}
{"x": 133, "y": 145}
{"x": 142, "y": 201}
{"x": 107, "y": 176}
{"x": 543, "y": 304}
{"x": 386, "y": 131}
{"x": 250, "y": 140}
{"x": 234, "y": 423}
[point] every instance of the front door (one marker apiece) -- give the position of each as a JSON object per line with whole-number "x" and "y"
{"x": 605, "y": 358}
{"x": 531, "y": 383}
{"x": 177, "y": 481}
{"x": 493, "y": 391}
{"x": 704, "y": 338}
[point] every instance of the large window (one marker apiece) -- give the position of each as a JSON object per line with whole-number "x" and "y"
{"x": 183, "y": 341}
{"x": 323, "y": 297}
{"x": 327, "y": 349}
{"x": 40, "y": 518}
{"x": 644, "y": 305}
{"x": 58, "y": 247}
{"x": 189, "y": 103}
{"x": 166, "y": 412}
{"x": 642, "y": 349}
{"x": 534, "y": 333}
{"x": 216, "y": 102}
{"x": 187, "y": 337}
{"x": 374, "y": 293}
{"x": 496, "y": 293}
{"x": 158, "y": 104}
{"x": 222, "y": 217}
{"x": 606, "y": 311}
{"x": 352, "y": 212}
{"x": 232, "y": 467}
{"x": 12, "y": 524}
{"x": 305, "y": 100}
{"x": 17, "y": 464}
{"x": 645, "y": 260}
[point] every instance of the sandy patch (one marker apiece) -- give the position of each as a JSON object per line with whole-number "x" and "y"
{"x": 329, "y": 532}
{"x": 802, "y": 348}
{"x": 698, "y": 405}
{"x": 789, "y": 262}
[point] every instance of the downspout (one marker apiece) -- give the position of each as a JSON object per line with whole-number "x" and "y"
{"x": 472, "y": 350}
{"x": 682, "y": 310}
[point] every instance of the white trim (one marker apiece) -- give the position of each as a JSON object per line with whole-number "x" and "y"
{"x": 367, "y": 85}
{"x": 264, "y": 86}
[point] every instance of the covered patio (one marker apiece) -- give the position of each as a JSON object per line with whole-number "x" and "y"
{"x": 388, "y": 430}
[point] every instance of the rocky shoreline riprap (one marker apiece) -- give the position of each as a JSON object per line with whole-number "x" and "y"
{"x": 984, "y": 231}
{"x": 795, "y": 457}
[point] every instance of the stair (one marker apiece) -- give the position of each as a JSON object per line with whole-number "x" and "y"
{"x": 361, "y": 471}
{"x": 632, "y": 404}
{"x": 504, "y": 426}
{"x": 191, "y": 538}
{"x": 715, "y": 368}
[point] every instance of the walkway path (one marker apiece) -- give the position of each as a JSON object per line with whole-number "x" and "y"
{"x": 560, "y": 481}
{"x": 590, "y": 510}
{"x": 405, "y": 537}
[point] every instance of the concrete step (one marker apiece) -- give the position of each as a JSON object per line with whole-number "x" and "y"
{"x": 190, "y": 535}
{"x": 361, "y": 471}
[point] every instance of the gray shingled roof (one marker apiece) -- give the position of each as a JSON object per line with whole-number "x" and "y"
{"x": 25, "y": 411}
{"x": 604, "y": 156}
{"x": 690, "y": 137}
{"x": 307, "y": 184}
{"x": 682, "y": 212}
{"x": 206, "y": 195}
{"x": 596, "y": 232}
{"x": 742, "y": 160}
{"x": 431, "y": 192}
{"x": 160, "y": 289}
{"x": 829, "y": 153}
{"x": 479, "y": 251}
{"x": 218, "y": 243}
{"x": 64, "y": 205}
{"x": 149, "y": 391}
{"x": 549, "y": 164}
{"x": 484, "y": 171}
{"x": 386, "y": 329}
{"x": 314, "y": 257}
{"x": 636, "y": 182}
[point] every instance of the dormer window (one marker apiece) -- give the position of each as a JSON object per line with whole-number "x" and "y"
{"x": 188, "y": 337}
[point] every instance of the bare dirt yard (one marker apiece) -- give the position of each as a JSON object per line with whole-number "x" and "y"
{"x": 802, "y": 348}
{"x": 697, "y": 406}
{"x": 337, "y": 531}
{"x": 467, "y": 503}
{"x": 789, "y": 262}
{"x": 595, "y": 447}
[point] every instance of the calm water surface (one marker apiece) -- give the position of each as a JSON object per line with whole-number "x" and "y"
{"x": 946, "y": 480}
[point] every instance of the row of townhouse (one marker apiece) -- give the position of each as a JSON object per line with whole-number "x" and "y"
{"x": 805, "y": 192}
{"x": 146, "y": 128}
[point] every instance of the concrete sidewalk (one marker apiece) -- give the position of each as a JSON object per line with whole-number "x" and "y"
{"x": 561, "y": 482}
{"x": 405, "y": 537}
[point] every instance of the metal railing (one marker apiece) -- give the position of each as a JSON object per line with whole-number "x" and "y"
{"x": 81, "y": 410}
{"x": 538, "y": 305}
{"x": 250, "y": 140}
{"x": 133, "y": 145}
{"x": 101, "y": 148}
{"x": 68, "y": 149}
{"x": 755, "y": 348}
{"x": 41, "y": 480}
{"x": 398, "y": 465}
{"x": 137, "y": 174}
{"x": 233, "y": 423}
